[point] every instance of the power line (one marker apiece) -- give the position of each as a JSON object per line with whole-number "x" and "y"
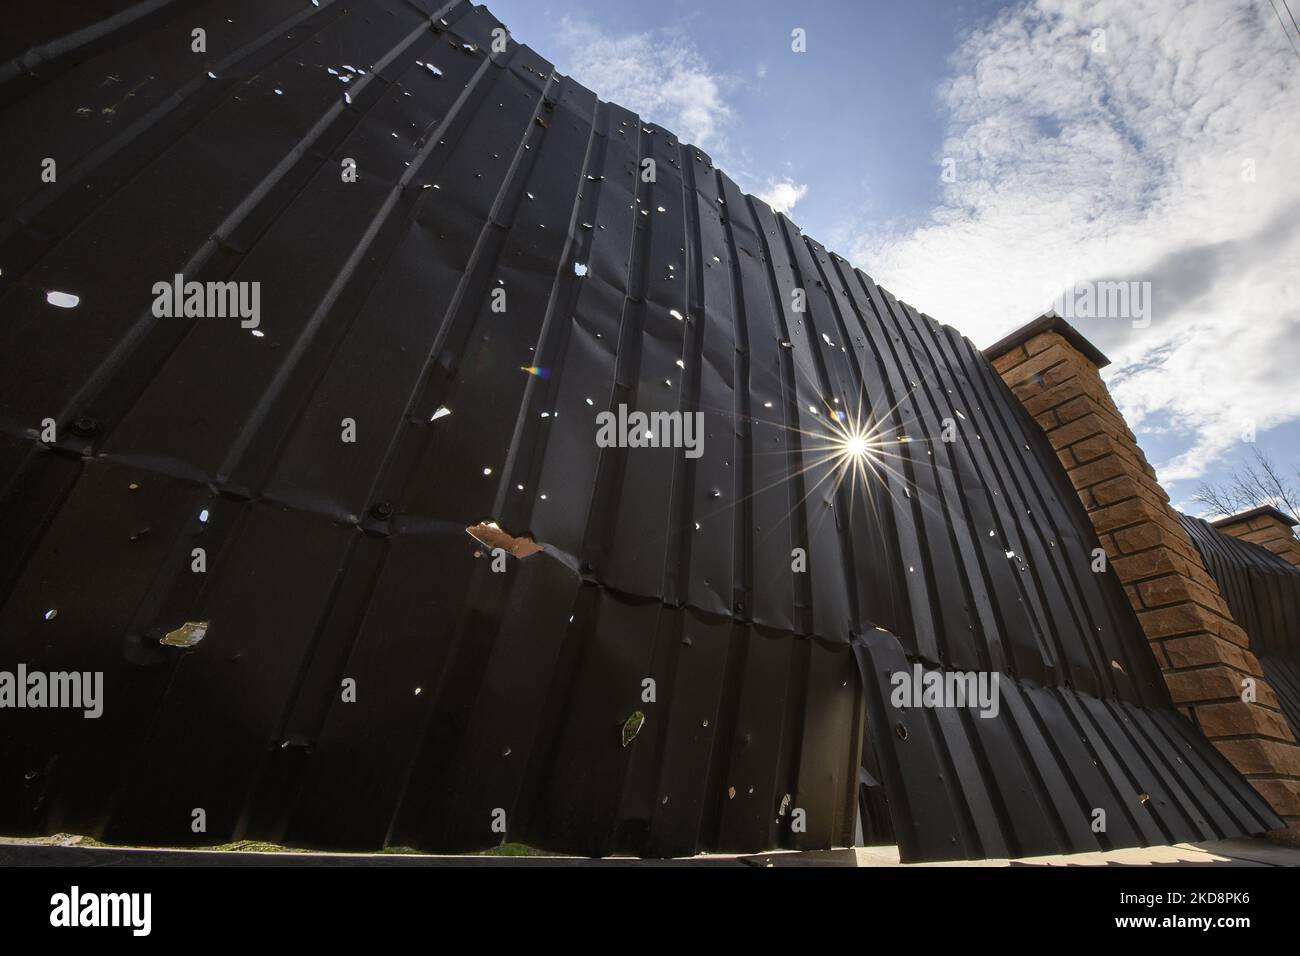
{"x": 1283, "y": 25}
{"x": 1292, "y": 16}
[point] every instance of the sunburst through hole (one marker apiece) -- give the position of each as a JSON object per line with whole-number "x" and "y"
{"x": 859, "y": 450}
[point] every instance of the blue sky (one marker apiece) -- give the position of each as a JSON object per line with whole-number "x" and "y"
{"x": 1138, "y": 141}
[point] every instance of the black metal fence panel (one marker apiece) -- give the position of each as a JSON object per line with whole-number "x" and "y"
{"x": 1263, "y": 593}
{"x": 254, "y": 524}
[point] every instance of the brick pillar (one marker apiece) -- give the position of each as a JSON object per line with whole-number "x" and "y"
{"x": 1267, "y": 527}
{"x": 1055, "y": 372}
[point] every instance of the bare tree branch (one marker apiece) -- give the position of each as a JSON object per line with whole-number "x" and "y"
{"x": 1255, "y": 483}
{"x": 1215, "y": 499}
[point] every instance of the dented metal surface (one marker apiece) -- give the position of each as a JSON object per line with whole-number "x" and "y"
{"x": 667, "y": 589}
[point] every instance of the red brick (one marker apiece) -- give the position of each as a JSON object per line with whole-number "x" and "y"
{"x": 1004, "y": 363}
{"x": 1146, "y": 564}
{"x": 1079, "y": 429}
{"x": 1125, "y": 513}
{"x": 1176, "y": 620}
{"x": 1252, "y": 755}
{"x": 1204, "y": 683}
{"x": 1238, "y": 719}
{"x": 1201, "y": 649}
{"x": 1096, "y": 472}
{"x": 1282, "y": 795}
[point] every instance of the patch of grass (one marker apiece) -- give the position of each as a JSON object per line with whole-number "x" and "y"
{"x": 251, "y": 846}
{"x": 259, "y": 846}
{"x": 238, "y": 846}
{"x": 514, "y": 849}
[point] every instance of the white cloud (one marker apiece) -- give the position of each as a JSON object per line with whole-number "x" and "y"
{"x": 660, "y": 76}
{"x": 783, "y": 195}
{"x": 1073, "y": 164}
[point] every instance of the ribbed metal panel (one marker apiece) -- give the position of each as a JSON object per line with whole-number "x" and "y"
{"x": 1263, "y": 593}
{"x": 479, "y": 691}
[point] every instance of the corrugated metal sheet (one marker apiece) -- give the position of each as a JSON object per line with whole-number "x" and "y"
{"x": 479, "y": 691}
{"x": 1263, "y": 593}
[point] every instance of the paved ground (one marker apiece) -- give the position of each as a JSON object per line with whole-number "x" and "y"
{"x": 66, "y": 851}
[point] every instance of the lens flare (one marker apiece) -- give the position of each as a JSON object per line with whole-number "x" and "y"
{"x": 856, "y": 452}
{"x": 846, "y": 458}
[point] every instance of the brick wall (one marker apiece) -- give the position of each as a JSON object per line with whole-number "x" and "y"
{"x": 1267, "y": 527}
{"x": 1202, "y": 652}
